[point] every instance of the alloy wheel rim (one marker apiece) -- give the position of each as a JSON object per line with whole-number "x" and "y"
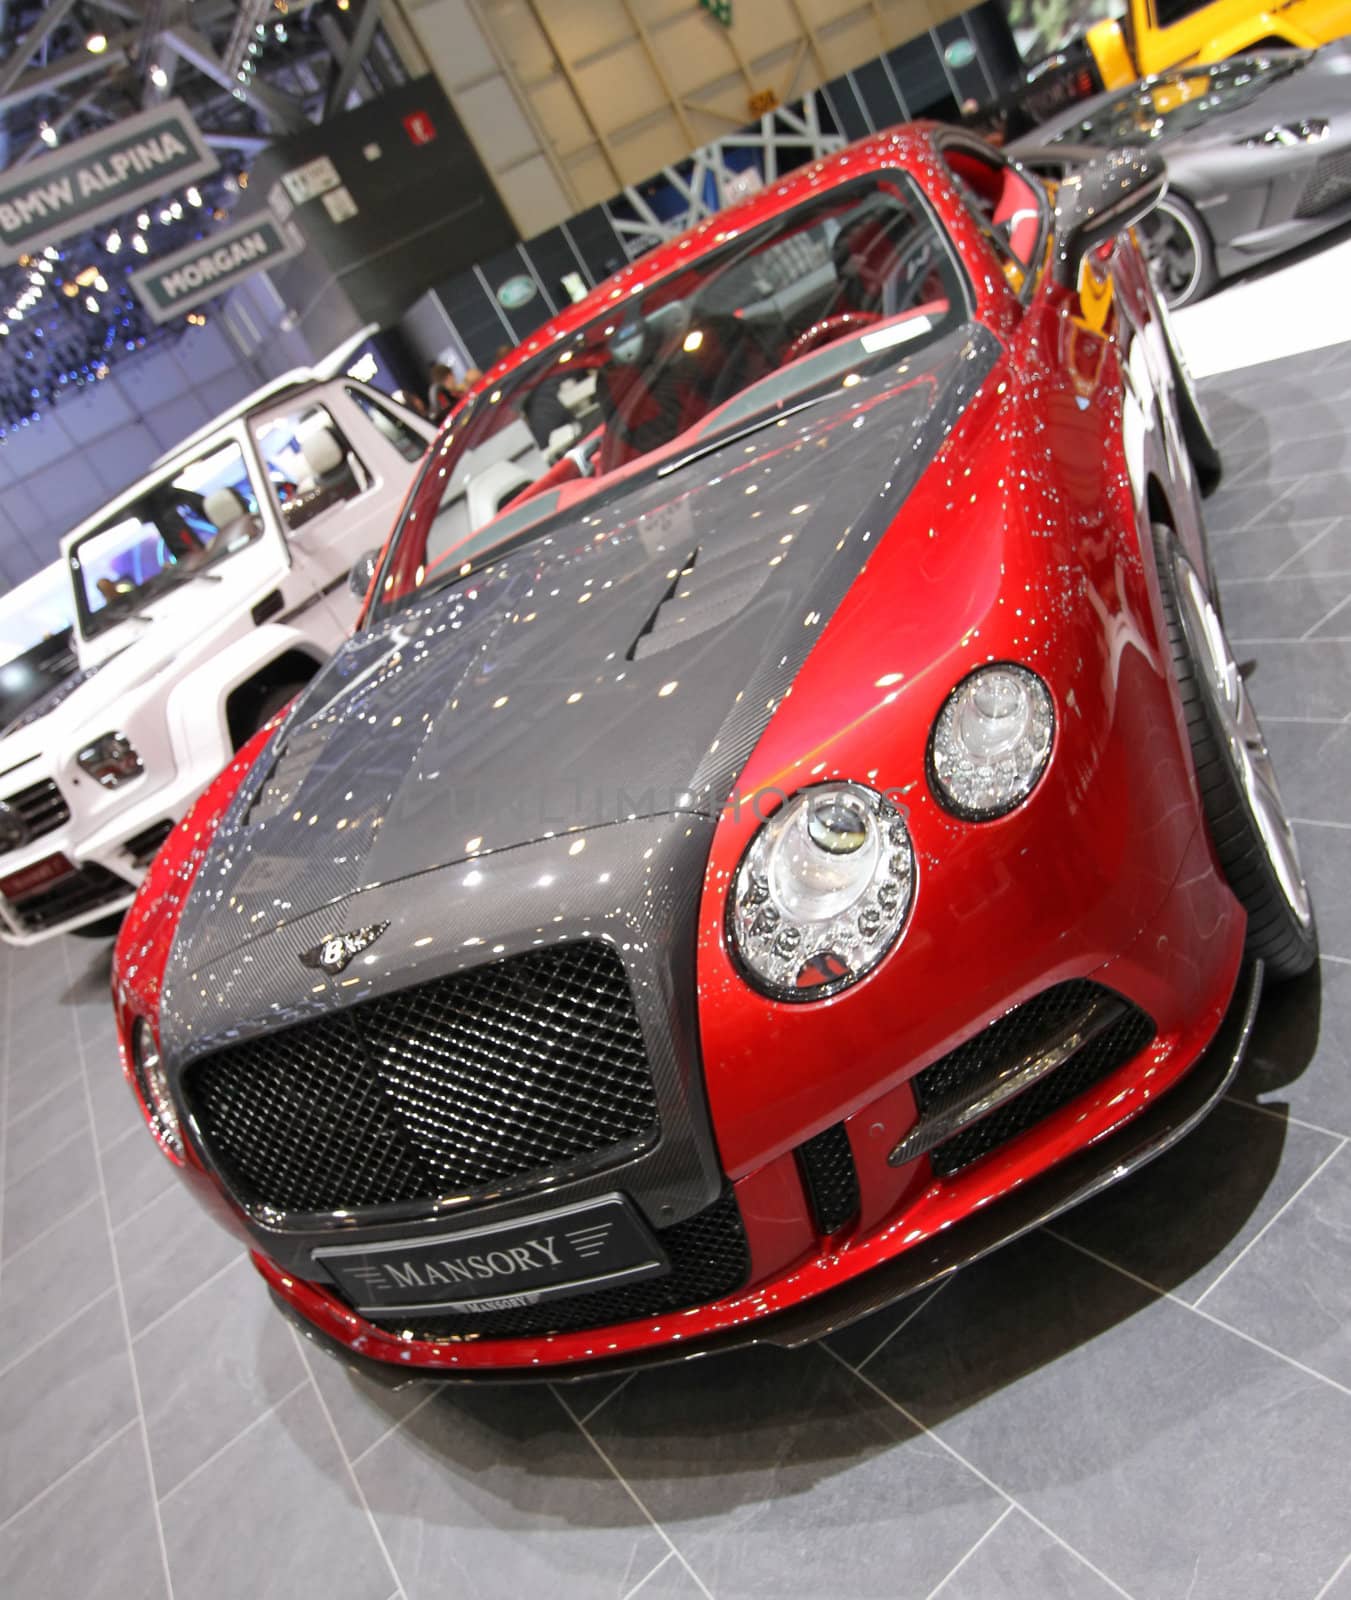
{"x": 1242, "y": 733}
{"x": 1174, "y": 254}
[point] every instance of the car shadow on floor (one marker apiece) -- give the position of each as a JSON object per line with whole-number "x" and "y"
{"x": 1171, "y": 1229}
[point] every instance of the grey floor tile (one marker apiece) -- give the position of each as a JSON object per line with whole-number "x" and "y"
{"x": 35, "y": 1079}
{"x": 33, "y": 1136}
{"x": 1339, "y": 1586}
{"x": 59, "y": 1184}
{"x": 1308, "y": 679}
{"x": 859, "y": 1342}
{"x": 671, "y": 1580}
{"x": 1299, "y": 1058}
{"x": 497, "y": 1493}
{"x": 1316, "y": 495}
{"x": 115, "y": 1110}
{"x": 587, "y": 1395}
{"x": 1314, "y": 454}
{"x": 1180, "y": 1221}
{"x": 1147, "y": 1437}
{"x": 1281, "y": 608}
{"x": 1241, "y": 503}
{"x": 135, "y": 1173}
{"x": 167, "y": 1252}
{"x": 745, "y": 1460}
{"x": 1243, "y": 555}
{"x": 1325, "y": 852}
{"x": 1329, "y": 552}
{"x": 93, "y": 1535}
{"x": 1292, "y": 1290}
{"x": 210, "y": 1368}
{"x": 1312, "y": 761}
{"x": 61, "y": 1401}
{"x": 364, "y": 1405}
{"x": 294, "y": 1525}
{"x": 52, "y": 1280}
{"x": 1020, "y": 1561}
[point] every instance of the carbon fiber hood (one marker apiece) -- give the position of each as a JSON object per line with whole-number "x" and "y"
{"x": 622, "y": 666}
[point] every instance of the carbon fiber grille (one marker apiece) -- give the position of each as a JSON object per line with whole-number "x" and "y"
{"x": 85, "y": 889}
{"x": 830, "y": 1178}
{"x": 709, "y": 1259}
{"x": 1021, "y": 1031}
{"x": 42, "y": 807}
{"x": 1328, "y": 185}
{"x": 490, "y": 1076}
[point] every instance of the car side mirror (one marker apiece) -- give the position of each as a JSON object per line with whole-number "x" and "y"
{"x": 359, "y": 579}
{"x": 1095, "y": 202}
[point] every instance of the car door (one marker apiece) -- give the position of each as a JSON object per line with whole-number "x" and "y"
{"x": 337, "y": 479}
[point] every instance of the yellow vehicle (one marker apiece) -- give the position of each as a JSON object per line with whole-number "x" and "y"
{"x": 1155, "y": 34}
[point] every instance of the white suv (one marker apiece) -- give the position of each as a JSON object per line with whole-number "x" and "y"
{"x": 204, "y": 597}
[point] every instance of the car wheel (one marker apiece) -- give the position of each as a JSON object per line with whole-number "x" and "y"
{"x": 1181, "y": 256}
{"x": 1249, "y": 827}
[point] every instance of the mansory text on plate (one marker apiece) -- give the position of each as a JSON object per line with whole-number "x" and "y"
{"x": 788, "y": 820}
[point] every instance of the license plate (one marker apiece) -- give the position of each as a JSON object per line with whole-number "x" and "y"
{"x": 595, "y": 1245}
{"x": 38, "y": 876}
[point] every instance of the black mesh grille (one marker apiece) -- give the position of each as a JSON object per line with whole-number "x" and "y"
{"x": 143, "y": 847}
{"x": 1022, "y": 1030}
{"x": 42, "y": 807}
{"x": 487, "y": 1077}
{"x": 1329, "y": 185}
{"x": 709, "y": 1259}
{"x": 85, "y": 889}
{"x": 830, "y": 1178}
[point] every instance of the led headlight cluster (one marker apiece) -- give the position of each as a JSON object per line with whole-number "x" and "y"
{"x": 822, "y": 891}
{"x": 154, "y": 1085}
{"x": 112, "y": 759}
{"x": 991, "y": 741}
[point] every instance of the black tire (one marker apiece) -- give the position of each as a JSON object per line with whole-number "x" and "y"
{"x": 1263, "y": 871}
{"x": 1180, "y": 251}
{"x": 104, "y": 928}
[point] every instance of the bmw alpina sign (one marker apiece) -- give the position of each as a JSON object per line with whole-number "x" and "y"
{"x": 98, "y": 177}
{"x": 176, "y": 283}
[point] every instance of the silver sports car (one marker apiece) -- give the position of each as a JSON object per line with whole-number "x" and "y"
{"x": 1258, "y": 150}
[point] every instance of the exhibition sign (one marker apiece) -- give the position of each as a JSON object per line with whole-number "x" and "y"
{"x": 174, "y": 285}
{"x": 100, "y": 176}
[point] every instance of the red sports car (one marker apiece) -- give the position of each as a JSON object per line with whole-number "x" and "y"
{"x": 788, "y": 821}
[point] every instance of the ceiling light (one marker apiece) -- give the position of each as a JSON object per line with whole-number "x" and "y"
{"x": 52, "y": 253}
{"x": 113, "y": 243}
{"x": 194, "y": 195}
{"x": 143, "y": 221}
{"x": 159, "y": 77}
{"x": 166, "y": 216}
{"x": 176, "y": 210}
{"x": 96, "y": 43}
{"x": 48, "y": 134}
{"x": 90, "y": 303}
{"x": 138, "y": 244}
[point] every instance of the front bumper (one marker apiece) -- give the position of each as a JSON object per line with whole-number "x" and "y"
{"x": 834, "y": 1290}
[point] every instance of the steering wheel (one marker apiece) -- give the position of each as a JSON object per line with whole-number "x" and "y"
{"x": 828, "y": 328}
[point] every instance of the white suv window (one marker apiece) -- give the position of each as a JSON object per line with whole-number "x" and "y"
{"x": 205, "y": 513}
{"x": 309, "y": 463}
{"x": 394, "y": 430}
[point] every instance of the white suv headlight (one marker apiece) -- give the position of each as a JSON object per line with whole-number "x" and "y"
{"x": 991, "y": 741}
{"x": 822, "y": 891}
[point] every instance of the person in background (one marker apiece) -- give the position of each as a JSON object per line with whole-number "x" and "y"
{"x": 444, "y": 392}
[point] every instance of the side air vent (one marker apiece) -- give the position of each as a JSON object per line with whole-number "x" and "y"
{"x": 830, "y": 1178}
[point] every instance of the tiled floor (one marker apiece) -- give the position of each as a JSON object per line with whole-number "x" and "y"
{"x": 1153, "y": 1399}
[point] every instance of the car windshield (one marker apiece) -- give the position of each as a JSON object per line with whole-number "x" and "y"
{"x": 173, "y": 532}
{"x": 768, "y": 319}
{"x": 1174, "y": 103}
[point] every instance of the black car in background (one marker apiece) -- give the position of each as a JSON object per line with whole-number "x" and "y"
{"x": 1258, "y": 150}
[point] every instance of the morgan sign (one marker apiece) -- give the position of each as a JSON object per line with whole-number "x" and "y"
{"x": 99, "y": 177}
{"x": 180, "y": 281}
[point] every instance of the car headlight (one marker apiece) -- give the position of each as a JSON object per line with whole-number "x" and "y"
{"x": 111, "y": 759}
{"x": 154, "y": 1085}
{"x": 822, "y": 891}
{"x": 991, "y": 741}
